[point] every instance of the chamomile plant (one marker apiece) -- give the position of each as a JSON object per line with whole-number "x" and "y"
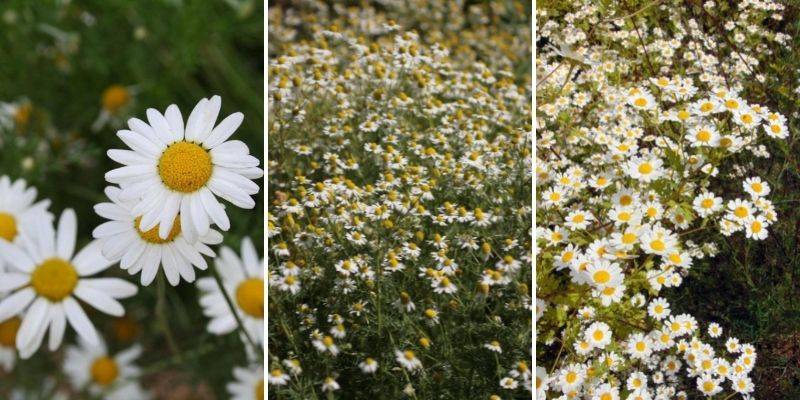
{"x": 645, "y": 130}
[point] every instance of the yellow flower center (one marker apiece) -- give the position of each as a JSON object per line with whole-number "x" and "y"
{"x": 707, "y": 203}
{"x": 606, "y": 396}
{"x": 250, "y": 297}
{"x": 645, "y": 168}
{"x": 755, "y": 227}
{"x": 578, "y": 218}
{"x": 571, "y": 377}
{"x": 8, "y": 226}
{"x": 704, "y": 135}
{"x": 260, "y": 390}
{"x": 601, "y": 277}
{"x": 624, "y": 216}
{"x": 747, "y": 118}
{"x": 683, "y": 114}
{"x": 104, "y": 371}
{"x": 706, "y": 107}
{"x": 740, "y": 212}
{"x": 54, "y": 279}
{"x": 757, "y": 187}
{"x": 185, "y": 167}
{"x": 409, "y": 355}
{"x": 732, "y": 104}
{"x": 708, "y": 386}
{"x": 8, "y": 331}
{"x": 151, "y": 236}
{"x": 657, "y": 245}
{"x": 640, "y": 346}
{"x": 775, "y": 128}
{"x": 625, "y": 200}
{"x": 640, "y": 102}
{"x": 114, "y": 98}
{"x": 628, "y": 238}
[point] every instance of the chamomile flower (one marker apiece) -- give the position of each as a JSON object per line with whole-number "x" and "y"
{"x": 704, "y": 135}
{"x": 598, "y": 334}
{"x": 368, "y": 366}
{"x": 408, "y": 360}
{"x": 19, "y": 210}
{"x": 277, "y": 377}
{"x": 248, "y": 383}
{"x": 756, "y": 187}
{"x": 706, "y": 204}
{"x": 46, "y": 277}
{"x": 644, "y": 169}
{"x": 114, "y": 377}
{"x": 175, "y": 170}
{"x": 243, "y": 280}
{"x": 145, "y": 252}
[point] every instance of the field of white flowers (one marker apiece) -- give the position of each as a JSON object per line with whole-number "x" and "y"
{"x": 652, "y": 123}
{"x": 399, "y": 216}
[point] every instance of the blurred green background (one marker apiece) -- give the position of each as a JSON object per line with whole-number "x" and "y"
{"x": 59, "y": 59}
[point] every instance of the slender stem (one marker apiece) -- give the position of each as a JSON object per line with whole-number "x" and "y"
{"x": 233, "y": 308}
{"x": 161, "y": 308}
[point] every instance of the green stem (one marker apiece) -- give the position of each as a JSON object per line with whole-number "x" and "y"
{"x": 233, "y": 308}
{"x": 161, "y": 308}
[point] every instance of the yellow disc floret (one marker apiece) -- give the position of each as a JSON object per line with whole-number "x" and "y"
{"x": 8, "y": 226}
{"x": 104, "y": 371}
{"x": 151, "y": 236}
{"x": 185, "y": 167}
{"x": 114, "y": 98}
{"x": 250, "y": 297}
{"x": 8, "y": 331}
{"x": 54, "y": 279}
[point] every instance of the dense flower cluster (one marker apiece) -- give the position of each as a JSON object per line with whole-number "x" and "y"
{"x": 399, "y": 221}
{"x": 643, "y": 122}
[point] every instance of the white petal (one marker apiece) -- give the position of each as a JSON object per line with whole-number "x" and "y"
{"x": 139, "y": 144}
{"x": 11, "y": 280}
{"x": 152, "y": 259}
{"x": 214, "y": 209}
{"x": 67, "y": 232}
{"x": 35, "y": 317}
{"x": 195, "y": 121}
{"x": 160, "y": 126}
{"x": 99, "y": 300}
{"x": 16, "y": 302}
{"x": 80, "y": 322}
{"x": 224, "y": 130}
{"x": 113, "y": 287}
{"x": 175, "y": 120}
{"x": 90, "y": 259}
{"x": 58, "y": 324}
{"x": 112, "y": 212}
{"x": 16, "y": 257}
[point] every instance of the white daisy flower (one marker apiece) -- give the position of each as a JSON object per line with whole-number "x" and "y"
{"x": 368, "y": 366}
{"x": 90, "y": 367}
{"x": 243, "y": 279}
{"x": 408, "y": 359}
{"x": 249, "y": 383}
{"x": 278, "y": 378}
{"x": 144, "y": 251}
{"x": 47, "y": 277}
{"x": 18, "y": 211}
{"x": 172, "y": 169}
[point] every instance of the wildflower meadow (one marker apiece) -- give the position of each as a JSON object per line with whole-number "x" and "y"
{"x": 131, "y": 208}
{"x": 399, "y": 216}
{"x": 666, "y": 185}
